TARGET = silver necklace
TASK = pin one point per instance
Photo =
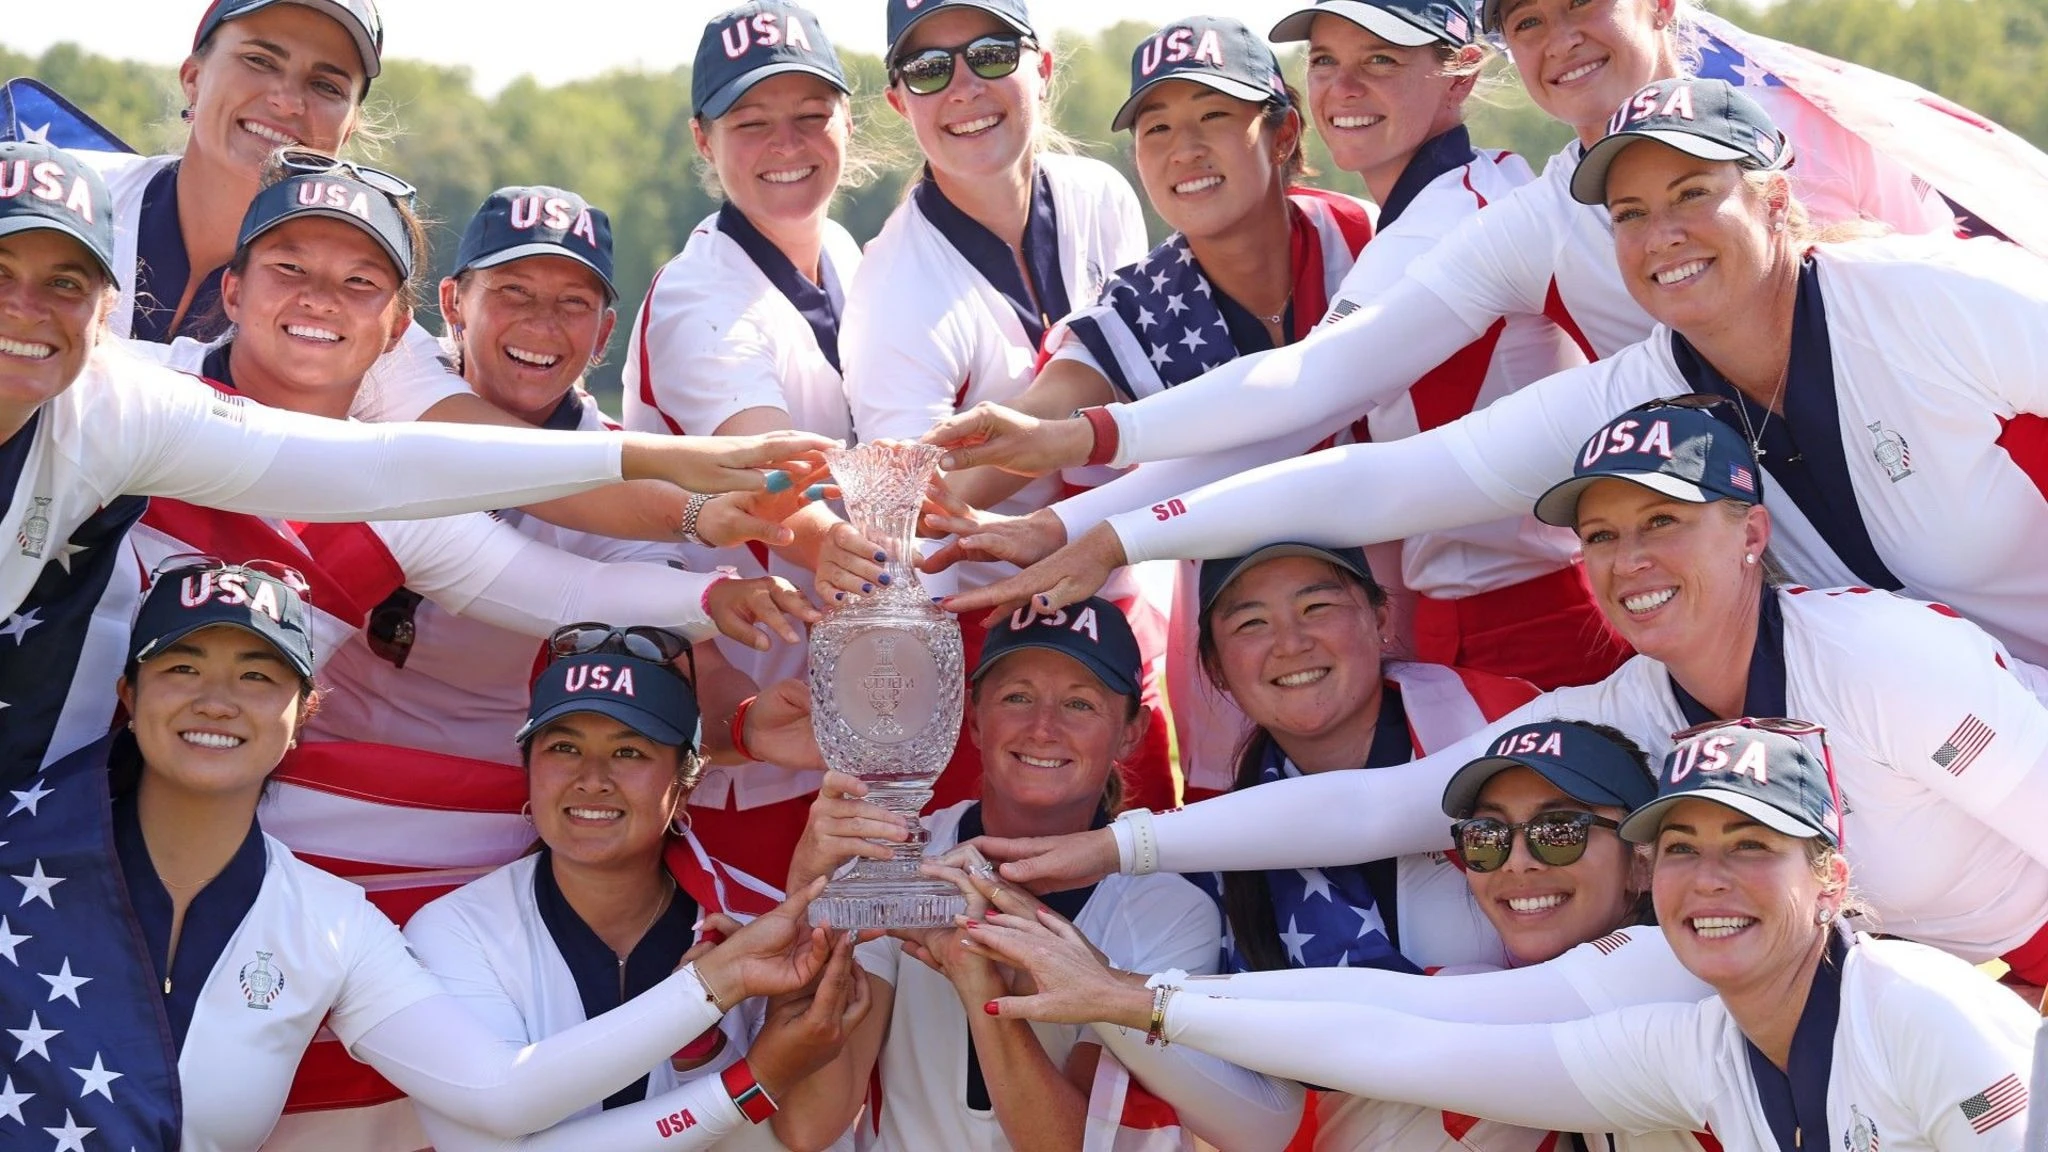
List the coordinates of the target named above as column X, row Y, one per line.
column 1756, row 434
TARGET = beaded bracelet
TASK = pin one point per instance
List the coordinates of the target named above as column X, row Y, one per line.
column 693, row 508
column 1155, row 1032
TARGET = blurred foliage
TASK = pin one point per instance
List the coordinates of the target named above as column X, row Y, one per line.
column 623, row 139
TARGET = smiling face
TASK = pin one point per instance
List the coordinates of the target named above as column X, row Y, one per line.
column 529, row 329
column 315, row 303
column 1579, row 59
column 780, row 150
column 1540, row 910
column 1669, row 575
column 1049, row 732
column 1735, row 899
column 1297, row 646
column 1206, row 159
column 51, row 295
column 1374, row 103
column 281, row 76
column 974, row 129
column 602, row 794
column 1695, row 241
column 214, row 712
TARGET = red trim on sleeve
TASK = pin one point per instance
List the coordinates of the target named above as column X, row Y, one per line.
column 647, row 362
column 2025, row 438
column 1553, row 307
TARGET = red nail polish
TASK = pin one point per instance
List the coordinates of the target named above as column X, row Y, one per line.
column 991, row 1009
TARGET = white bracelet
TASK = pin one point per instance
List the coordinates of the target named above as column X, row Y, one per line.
column 1144, row 842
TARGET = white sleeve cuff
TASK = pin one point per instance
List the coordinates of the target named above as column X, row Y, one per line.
column 1137, row 846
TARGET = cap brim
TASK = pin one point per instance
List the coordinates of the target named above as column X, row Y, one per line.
column 1110, row 677
column 1560, row 505
column 1642, row 824
column 1461, row 795
column 1249, row 93
column 1277, row 552
column 1388, row 26
column 366, row 45
column 521, row 252
column 1016, row 25
column 401, row 261
column 15, row 225
column 640, row 720
column 721, row 101
column 1589, row 179
column 298, row 664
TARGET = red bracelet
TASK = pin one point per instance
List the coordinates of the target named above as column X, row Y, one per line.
column 739, row 728
column 747, row 1094
column 1107, row 435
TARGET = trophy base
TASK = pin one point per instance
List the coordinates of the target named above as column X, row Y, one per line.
column 908, row 903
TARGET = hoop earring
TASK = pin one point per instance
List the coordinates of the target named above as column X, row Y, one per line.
column 680, row 822
column 526, row 812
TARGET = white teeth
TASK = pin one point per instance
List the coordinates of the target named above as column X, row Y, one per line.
column 1720, row 927
column 536, row 359
column 1535, row 903
column 211, row 739
column 1581, row 70
column 26, row 350
column 973, row 126
column 1685, row 271
column 1297, row 679
column 596, row 813
column 790, row 177
column 275, row 137
column 307, row 332
column 1203, row 184
column 1039, row 762
column 1645, row 601
column 1355, row 121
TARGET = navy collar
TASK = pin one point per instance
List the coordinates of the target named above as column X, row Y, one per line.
column 816, row 303
column 1802, row 450
column 1764, row 695
column 568, row 413
column 211, row 919
column 216, row 367
column 1248, row 332
column 1068, row 903
column 997, row 263
column 1439, row 154
column 1391, row 743
column 595, row 967
column 14, row 453
column 1796, row 1099
column 163, row 271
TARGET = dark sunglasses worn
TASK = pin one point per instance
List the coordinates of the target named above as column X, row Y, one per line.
column 641, row 641
column 1555, row 838
column 928, row 71
column 305, row 162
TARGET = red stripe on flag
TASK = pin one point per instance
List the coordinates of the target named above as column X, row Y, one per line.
column 1996, row 1104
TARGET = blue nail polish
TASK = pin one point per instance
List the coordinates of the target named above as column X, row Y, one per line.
column 882, row 579
column 938, row 599
column 881, row 557
column 815, row 492
column 866, row 587
column 839, row 595
column 1045, row 600
column 778, row 480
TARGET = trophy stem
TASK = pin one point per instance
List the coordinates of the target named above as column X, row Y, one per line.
column 891, row 893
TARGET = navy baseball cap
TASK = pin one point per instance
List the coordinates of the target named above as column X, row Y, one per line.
column 338, row 196
column 1409, row 23
column 1769, row 776
column 1213, row 51
column 1216, row 575
column 748, row 44
column 1093, row 631
column 650, row 698
column 263, row 599
column 45, row 188
column 1584, row 763
column 358, row 17
column 537, row 220
column 1682, row 452
column 1709, row 119
column 904, row 13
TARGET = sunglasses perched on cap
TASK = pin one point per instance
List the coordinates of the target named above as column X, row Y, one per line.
column 305, row 162
column 191, row 562
column 928, row 71
column 1556, row 838
column 1691, row 401
column 1783, row 727
column 640, row 641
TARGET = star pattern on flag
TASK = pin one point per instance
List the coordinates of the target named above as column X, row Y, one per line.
column 71, row 1137
column 18, row 625
column 27, row 800
column 97, row 1079
column 11, row 1101
column 37, row 885
column 64, row 554
column 1720, row 60
column 34, row 1038
column 10, row 939
column 1294, row 938
column 35, row 135
column 64, row 985
column 1167, row 304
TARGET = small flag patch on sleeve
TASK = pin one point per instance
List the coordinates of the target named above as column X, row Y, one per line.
column 1960, row 750
column 1996, row 1104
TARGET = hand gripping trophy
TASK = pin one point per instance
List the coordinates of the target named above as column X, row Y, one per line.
column 887, row 685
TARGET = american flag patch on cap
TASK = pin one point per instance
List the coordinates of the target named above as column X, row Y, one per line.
column 1960, row 750
column 1996, row 1104
column 1740, row 477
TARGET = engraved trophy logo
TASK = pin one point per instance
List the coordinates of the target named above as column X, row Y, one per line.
column 888, row 683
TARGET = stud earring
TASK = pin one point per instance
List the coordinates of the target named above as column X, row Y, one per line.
column 1823, row 916
column 1749, row 558
column 186, row 115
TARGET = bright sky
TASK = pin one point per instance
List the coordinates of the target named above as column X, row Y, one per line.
column 554, row 40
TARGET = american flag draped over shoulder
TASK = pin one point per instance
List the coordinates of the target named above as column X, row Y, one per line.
column 32, row 111
column 1991, row 176
column 85, row 1055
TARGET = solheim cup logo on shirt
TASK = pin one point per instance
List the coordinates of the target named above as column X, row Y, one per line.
column 34, row 534
column 1891, row 452
column 1862, row 1133
column 261, row 983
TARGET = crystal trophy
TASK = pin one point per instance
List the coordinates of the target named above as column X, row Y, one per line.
column 887, row 686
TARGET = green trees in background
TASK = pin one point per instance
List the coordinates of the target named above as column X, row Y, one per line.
column 623, row 139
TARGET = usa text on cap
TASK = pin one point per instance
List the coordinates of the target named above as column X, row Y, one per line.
column 1683, row 453
column 1771, row 777
column 358, row 17
column 904, row 13
column 1585, row 764
column 207, row 593
column 1093, row 631
column 647, row 697
column 537, row 220
column 1709, row 119
column 338, row 197
column 1211, row 51
column 47, row 189
column 1409, row 23
column 1216, row 575
column 746, row 45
